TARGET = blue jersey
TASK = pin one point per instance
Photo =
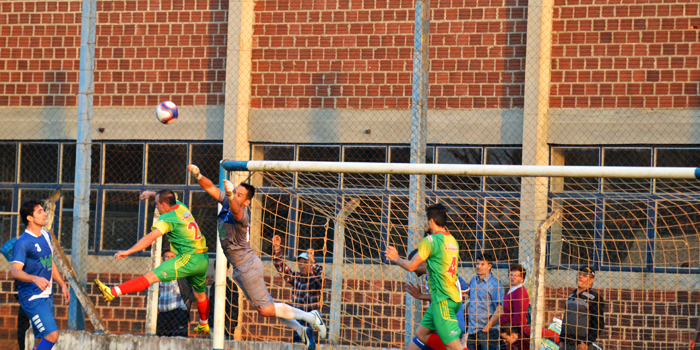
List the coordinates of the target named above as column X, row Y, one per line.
column 37, row 257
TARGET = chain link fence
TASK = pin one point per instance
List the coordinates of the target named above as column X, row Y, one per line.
column 510, row 82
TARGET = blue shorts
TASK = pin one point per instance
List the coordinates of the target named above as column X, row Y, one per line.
column 40, row 313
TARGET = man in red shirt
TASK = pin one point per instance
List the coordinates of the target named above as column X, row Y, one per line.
column 516, row 301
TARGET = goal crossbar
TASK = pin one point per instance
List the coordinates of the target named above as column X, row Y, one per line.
column 465, row 169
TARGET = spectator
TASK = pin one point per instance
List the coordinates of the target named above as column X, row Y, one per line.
column 231, row 306
column 517, row 301
column 307, row 283
column 583, row 319
column 485, row 306
column 515, row 338
column 174, row 301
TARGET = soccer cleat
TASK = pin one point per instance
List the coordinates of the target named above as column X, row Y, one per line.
column 106, row 291
column 202, row 329
column 318, row 324
column 308, row 338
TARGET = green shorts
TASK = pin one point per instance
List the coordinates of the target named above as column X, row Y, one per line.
column 441, row 317
column 192, row 266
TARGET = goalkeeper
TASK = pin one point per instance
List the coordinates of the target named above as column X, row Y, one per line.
column 186, row 241
column 234, row 227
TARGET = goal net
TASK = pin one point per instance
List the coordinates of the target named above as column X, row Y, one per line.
column 637, row 228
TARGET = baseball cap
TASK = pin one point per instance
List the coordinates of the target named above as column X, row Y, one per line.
column 587, row 269
column 303, row 256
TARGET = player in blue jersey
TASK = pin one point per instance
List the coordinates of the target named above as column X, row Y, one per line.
column 34, row 270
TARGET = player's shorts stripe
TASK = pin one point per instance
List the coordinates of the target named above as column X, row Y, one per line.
column 445, row 310
column 184, row 259
column 35, row 317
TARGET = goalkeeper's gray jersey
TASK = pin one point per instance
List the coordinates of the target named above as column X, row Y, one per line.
column 234, row 234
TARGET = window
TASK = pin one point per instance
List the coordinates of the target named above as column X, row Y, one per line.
column 8, row 162
column 68, row 163
column 120, row 229
column 627, row 157
column 275, row 221
column 677, row 157
column 398, row 226
column 39, row 163
column 66, row 229
column 403, row 155
column 501, row 230
column 459, row 155
column 364, row 154
column 6, row 220
column 277, row 179
column 315, row 229
column 319, row 154
column 167, row 164
column 123, row 163
column 575, row 157
column 624, row 236
column 365, row 224
column 503, row 156
column 462, row 224
column 207, row 157
column 676, row 243
column 573, row 237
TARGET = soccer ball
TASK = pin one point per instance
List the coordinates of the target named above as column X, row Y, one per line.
column 166, row 112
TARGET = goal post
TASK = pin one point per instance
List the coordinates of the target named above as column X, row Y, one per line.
column 638, row 226
column 465, row 169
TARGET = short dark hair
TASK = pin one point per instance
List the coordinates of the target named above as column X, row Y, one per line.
column 518, row 267
column 438, row 213
column 250, row 188
column 166, row 196
column 27, row 209
column 485, row 257
column 508, row 330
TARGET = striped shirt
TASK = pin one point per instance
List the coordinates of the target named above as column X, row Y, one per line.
column 307, row 289
column 169, row 297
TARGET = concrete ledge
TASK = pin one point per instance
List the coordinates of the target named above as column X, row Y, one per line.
column 72, row 340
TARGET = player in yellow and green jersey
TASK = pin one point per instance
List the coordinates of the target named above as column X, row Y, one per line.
column 441, row 252
column 186, row 241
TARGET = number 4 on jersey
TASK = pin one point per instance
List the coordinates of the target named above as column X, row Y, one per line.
column 192, row 226
column 452, row 270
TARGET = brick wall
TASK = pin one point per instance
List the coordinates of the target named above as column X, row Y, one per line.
column 372, row 314
column 146, row 52
column 639, row 319
column 358, row 54
column 625, row 54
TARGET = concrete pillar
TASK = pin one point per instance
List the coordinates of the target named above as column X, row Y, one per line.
column 241, row 17
column 533, row 205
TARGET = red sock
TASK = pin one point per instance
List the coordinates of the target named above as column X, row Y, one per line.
column 131, row 286
column 203, row 308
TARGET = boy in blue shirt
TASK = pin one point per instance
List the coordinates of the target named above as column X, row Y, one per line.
column 34, row 270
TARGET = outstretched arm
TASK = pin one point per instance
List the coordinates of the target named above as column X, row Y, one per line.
column 204, row 182
column 277, row 260
column 233, row 203
column 393, row 255
column 142, row 244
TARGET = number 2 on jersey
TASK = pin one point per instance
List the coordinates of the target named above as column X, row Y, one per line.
column 452, row 270
column 193, row 226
